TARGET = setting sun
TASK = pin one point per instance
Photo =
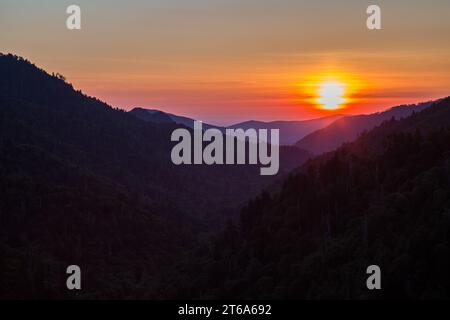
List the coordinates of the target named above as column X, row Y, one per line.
column 331, row 95
column 331, row 89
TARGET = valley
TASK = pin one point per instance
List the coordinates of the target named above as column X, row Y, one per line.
column 87, row 184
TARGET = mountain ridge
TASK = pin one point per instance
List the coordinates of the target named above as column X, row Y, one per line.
column 348, row 128
column 290, row 130
column 380, row 200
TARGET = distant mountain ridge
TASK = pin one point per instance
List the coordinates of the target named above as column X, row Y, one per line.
column 290, row 131
column 290, row 156
column 348, row 128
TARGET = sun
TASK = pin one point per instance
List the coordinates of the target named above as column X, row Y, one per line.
column 330, row 91
column 331, row 95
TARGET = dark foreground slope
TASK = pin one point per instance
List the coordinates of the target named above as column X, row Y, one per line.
column 383, row 200
column 83, row 183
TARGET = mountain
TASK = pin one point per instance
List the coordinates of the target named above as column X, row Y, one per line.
column 348, row 128
column 290, row 131
column 115, row 144
column 290, row 156
column 157, row 116
column 84, row 183
column 382, row 200
column 154, row 116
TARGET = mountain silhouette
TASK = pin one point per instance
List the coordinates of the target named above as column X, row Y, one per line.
column 84, row 183
column 151, row 115
column 112, row 143
column 290, row 131
column 290, row 156
column 347, row 129
column 381, row 200
column 155, row 116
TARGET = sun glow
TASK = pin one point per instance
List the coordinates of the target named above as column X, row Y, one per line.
column 330, row 91
column 331, row 95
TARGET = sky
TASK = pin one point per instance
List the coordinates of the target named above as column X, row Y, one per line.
column 225, row 61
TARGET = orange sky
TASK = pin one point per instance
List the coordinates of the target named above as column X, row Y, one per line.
column 227, row 61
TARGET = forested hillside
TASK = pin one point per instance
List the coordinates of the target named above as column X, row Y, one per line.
column 383, row 200
column 84, row 183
